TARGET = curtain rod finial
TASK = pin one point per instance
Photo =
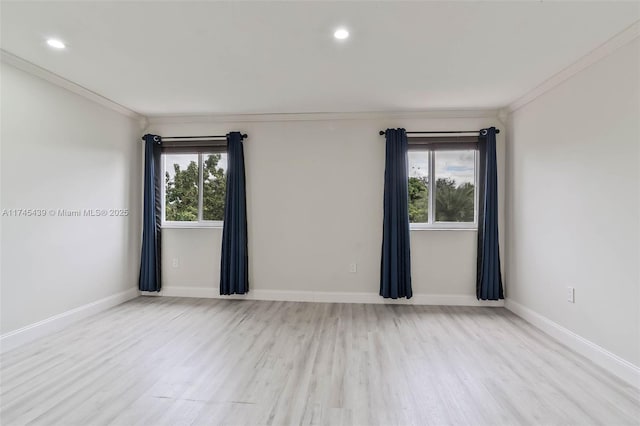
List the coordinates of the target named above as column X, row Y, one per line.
column 382, row 132
column 244, row 136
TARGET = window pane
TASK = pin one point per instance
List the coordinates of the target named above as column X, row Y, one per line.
column 214, row 186
column 455, row 186
column 181, row 187
column 418, row 186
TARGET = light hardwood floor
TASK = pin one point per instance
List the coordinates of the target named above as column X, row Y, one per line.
column 157, row 361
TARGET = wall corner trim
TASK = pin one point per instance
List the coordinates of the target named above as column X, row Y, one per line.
column 37, row 71
column 607, row 48
column 48, row 326
column 619, row 367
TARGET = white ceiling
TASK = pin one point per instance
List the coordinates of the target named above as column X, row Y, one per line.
column 267, row 57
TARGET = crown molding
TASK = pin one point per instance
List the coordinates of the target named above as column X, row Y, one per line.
column 607, row 48
column 51, row 77
column 319, row 116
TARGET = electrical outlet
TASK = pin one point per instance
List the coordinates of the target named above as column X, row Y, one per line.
column 571, row 295
column 353, row 268
column 176, row 262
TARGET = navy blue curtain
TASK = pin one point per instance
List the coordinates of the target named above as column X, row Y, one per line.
column 395, row 268
column 234, row 267
column 489, row 279
column 150, row 268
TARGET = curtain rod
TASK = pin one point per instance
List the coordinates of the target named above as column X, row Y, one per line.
column 382, row 132
column 244, row 136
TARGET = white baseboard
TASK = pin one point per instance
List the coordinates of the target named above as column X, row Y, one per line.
column 13, row 339
column 621, row 368
column 327, row 297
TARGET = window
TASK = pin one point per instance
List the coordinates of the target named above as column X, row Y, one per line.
column 442, row 186
column 194, row 188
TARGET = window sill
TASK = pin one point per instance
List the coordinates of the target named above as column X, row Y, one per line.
column 192, row 225
column 443, row 228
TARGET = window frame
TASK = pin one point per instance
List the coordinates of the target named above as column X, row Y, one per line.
column 431, row 224
column 200, row 223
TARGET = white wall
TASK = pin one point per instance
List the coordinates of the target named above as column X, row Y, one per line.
column 573, row 204
column 315, row 192
column 62, row 151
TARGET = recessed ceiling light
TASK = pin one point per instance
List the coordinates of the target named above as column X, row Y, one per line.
column 55, row 43
column 341, row 34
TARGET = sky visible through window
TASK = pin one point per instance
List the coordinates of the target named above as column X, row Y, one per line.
column 456, row 165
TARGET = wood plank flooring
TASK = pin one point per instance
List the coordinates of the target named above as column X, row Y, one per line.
column 170, row 361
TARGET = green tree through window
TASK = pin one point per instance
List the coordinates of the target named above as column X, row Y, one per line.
column 453, row 184
column 454, row 203
column 182, row 187
column 418, row 199
column 214, row 188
